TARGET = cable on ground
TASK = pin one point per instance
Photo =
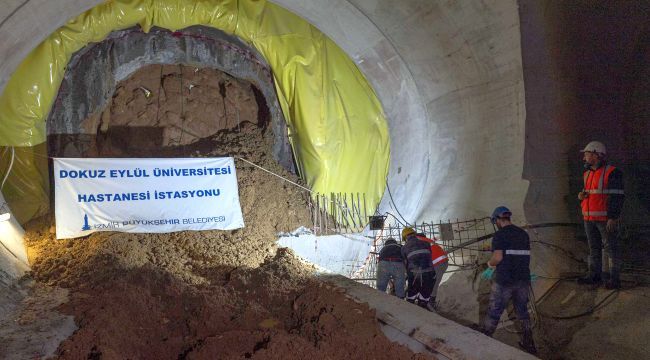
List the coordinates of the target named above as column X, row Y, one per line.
column 601, row 304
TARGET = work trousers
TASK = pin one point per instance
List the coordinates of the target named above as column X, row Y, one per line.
column 395, row 270
column 440, row 269
column 499, row 298
column 604, row 251
column 420, row 285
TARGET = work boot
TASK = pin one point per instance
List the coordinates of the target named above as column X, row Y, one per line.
column 485, row 331
column 432, row 304
column 529, row 348
column 424, row 305
column 477, row 327
column 527, row 343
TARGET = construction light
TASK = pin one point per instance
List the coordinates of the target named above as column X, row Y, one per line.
column 376, row 222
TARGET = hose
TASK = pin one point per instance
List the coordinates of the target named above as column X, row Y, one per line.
column 394, row 205
column 601, row 304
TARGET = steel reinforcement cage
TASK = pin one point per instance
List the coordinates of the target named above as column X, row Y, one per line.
column 463, row 240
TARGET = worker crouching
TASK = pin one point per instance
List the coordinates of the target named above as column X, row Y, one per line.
column 391, row 267
column 439, row 260
column 420, row 273
column 510, row 262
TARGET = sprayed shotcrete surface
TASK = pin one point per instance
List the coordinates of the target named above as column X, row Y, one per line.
column 202, row 295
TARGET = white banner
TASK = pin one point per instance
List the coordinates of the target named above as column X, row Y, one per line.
column 145, row 195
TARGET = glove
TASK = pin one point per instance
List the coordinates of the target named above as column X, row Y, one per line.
column 487, row 274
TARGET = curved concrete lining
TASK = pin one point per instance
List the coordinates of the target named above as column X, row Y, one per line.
column 448, row 76
column 373, row 51
column 450, row 79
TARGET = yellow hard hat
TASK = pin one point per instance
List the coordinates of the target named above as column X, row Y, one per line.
column 406, row 232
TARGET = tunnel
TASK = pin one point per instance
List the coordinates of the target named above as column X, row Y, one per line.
column 429, row 113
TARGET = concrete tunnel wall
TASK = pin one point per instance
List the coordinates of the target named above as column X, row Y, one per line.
column 448, row 75
column 451, row 81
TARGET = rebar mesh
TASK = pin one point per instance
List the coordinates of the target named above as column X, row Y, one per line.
column 463, row 240
column 338, row 213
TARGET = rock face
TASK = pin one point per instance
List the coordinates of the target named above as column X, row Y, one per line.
column 172, row 105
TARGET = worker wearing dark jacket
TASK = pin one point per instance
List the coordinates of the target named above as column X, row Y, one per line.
column 602, row 201
column 391, row 266
column 439, row 261
column 511, row 263
column 420, row 272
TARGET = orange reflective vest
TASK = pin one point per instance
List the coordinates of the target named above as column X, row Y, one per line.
column 594, row 206
column 438, row 255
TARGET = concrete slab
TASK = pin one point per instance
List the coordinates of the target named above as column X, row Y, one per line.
column 424, row 331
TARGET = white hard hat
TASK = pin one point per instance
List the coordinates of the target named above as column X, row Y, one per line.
column 596, row 147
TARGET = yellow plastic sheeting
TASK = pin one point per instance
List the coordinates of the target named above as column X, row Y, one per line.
column 27, row 187
column 336, row 124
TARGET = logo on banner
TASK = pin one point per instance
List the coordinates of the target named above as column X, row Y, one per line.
column 86, row 225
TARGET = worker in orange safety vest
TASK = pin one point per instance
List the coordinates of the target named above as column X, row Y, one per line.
column 439, row 260
column 602, row 202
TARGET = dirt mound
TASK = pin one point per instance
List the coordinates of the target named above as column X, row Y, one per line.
column 269, row 205
column 210, row 294
column 276, row 310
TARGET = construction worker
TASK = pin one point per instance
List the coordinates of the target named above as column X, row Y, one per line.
column 439, row 261
column 420, row 273
column 391, row 266
column 602, row 201
column 510, row 262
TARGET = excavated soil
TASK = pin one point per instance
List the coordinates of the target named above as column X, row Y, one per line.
column 210, row 294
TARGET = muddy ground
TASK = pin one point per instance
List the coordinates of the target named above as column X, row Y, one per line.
column 200, row 295
column 567, row 328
